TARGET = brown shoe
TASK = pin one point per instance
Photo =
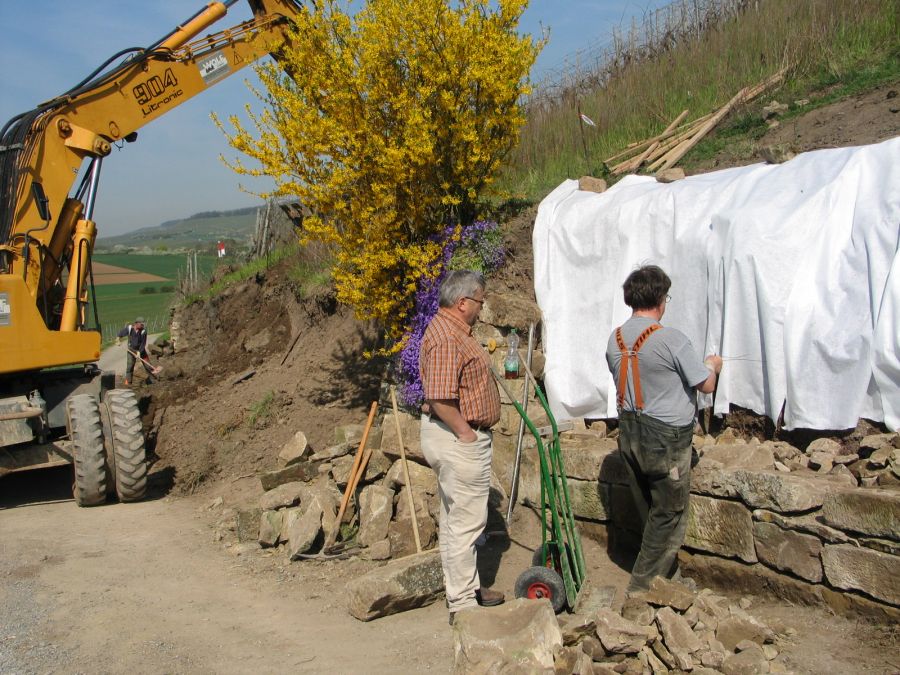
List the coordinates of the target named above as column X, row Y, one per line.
column 488, row 598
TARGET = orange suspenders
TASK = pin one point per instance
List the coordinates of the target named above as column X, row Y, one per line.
column 631, row 356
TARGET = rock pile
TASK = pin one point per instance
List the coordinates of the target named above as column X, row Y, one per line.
column 671, row 628
column 302, row 499
column 875, row 462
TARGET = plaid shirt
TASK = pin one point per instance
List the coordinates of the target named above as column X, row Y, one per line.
column 453, row 366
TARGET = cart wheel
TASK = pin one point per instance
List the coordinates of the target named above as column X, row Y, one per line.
column 537, row 558
column 542, row 582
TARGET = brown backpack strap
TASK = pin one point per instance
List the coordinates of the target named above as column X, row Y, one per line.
column 631, row 356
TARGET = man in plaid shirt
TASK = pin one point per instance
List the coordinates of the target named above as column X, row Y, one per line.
column 462, row 404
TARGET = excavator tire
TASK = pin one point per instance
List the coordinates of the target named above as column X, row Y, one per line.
column 88, row 453
column 128, row 444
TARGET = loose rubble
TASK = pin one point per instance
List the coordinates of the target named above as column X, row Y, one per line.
column 670, row 628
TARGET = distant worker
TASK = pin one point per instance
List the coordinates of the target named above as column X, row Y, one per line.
column 657, row 371
column 136, row 348
column 462, row 404
column 220, row 249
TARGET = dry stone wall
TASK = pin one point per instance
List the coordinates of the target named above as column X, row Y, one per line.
column 823, row 523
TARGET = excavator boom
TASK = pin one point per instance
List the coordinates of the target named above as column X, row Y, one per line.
column 47, row 232
column 56, row 407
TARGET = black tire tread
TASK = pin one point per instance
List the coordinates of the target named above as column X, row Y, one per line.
column 88, row 453
column 549, row 578
column 128, row 445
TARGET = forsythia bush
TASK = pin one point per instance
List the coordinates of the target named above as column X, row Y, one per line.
column 389, row 124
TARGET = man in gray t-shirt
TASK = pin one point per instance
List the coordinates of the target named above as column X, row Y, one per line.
column 657, row 373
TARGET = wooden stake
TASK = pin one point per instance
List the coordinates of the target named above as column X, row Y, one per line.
column 412, row 503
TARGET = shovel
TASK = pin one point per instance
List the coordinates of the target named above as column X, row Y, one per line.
column 154, row 370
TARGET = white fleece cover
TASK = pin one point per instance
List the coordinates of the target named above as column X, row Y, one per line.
column 791, row 272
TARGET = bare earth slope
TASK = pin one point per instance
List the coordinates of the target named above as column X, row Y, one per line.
column 145, row 588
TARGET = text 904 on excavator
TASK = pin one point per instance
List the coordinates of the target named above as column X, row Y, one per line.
column 56, row 406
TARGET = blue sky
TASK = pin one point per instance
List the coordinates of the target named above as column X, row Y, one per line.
column 173, row 170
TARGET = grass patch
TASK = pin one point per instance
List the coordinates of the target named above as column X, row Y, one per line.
column 243, row 273
column 309, row 276
column 166, row 266
column 119, row 304
column 836, row 47
column 261, row 410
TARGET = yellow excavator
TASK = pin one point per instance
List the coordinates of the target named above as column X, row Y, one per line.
column 56, row 406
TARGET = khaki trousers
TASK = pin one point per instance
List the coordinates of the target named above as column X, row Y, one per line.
column 464, row 481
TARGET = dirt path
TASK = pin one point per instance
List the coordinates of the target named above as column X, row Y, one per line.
column 143, row 588
column 146, row 588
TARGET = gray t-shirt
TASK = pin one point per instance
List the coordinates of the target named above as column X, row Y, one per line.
column 670, row 369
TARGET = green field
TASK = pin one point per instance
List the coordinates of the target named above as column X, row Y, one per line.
column 119, row 304
column 166, row 266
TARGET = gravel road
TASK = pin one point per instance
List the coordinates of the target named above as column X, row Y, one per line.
column 145, row 588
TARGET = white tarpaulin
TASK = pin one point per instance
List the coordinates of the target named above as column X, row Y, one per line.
column 791, row 272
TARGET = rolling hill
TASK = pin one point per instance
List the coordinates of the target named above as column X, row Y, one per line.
column 200, row 230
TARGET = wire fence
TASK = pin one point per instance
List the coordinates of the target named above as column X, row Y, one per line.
column 657, row 32
column 155, row 324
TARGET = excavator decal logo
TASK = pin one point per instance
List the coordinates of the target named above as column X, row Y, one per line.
column 148, row 93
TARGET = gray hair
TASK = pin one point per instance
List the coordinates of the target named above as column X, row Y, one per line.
column 460, row 284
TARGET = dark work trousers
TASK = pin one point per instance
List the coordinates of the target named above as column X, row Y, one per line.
column 658, row 457
column 129, row 367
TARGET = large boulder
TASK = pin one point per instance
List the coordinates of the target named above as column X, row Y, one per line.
column 294, row 450
column 400, row 585
column 286, row 494
column 304, row 531
column 741, row 456
column 270, row 527
column 420, row 476
column 678, row 636
column 589, row 499
column 376, row 507
column 302, row 471
column 780, row 492
column 789, row 551
column 400, row 530
column 721, row 527
column 861, row 569
column 618, row 635
column 409, row 432
column 520, row 636
column 875, row 513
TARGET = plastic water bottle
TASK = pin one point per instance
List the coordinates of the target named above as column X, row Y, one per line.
column 511, row 362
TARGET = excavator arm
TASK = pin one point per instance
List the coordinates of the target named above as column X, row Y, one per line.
column 47, row 232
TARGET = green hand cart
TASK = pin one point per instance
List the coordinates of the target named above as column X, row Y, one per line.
column 558, row 569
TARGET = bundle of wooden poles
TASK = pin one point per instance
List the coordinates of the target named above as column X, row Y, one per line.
column 667, row 148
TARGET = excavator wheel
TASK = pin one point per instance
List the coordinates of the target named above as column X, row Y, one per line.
column 86, row 432
column 127, row 439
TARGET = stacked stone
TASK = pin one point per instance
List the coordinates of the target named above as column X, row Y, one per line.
column 299, row 508
column 302, row 499
column 760, row 516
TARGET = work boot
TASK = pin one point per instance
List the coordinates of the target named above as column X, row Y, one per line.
column 488, row 598
column 452, row 617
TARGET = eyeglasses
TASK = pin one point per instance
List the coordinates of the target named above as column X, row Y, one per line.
column 480, row 302
column 668, row 297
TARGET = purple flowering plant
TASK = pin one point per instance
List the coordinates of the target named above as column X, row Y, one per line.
column 478, row 246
